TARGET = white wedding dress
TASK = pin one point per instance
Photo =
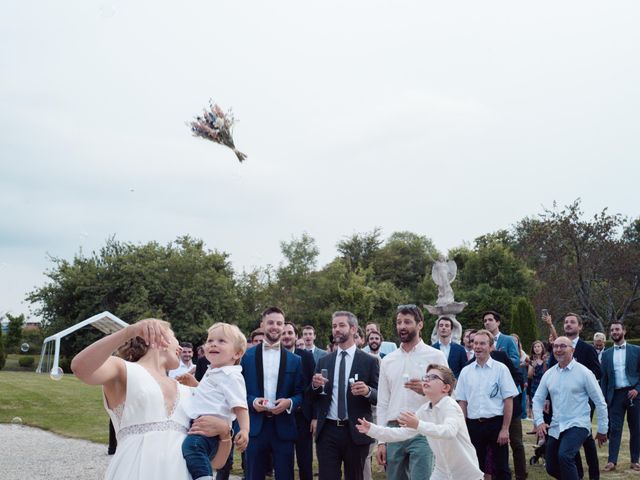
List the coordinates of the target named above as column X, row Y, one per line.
column 149, row 433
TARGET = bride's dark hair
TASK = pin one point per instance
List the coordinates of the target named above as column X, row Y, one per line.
column 135, row 348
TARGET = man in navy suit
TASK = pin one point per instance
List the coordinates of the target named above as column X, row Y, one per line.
column 304, row 413
column 587, row 356
column 349, row 392
column 455, row 353
column 274, row 392
column 620, row 384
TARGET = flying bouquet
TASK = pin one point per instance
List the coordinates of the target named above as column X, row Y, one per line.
column 217, row 126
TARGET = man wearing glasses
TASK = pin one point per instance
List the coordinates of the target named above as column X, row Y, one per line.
column 570, row 385
column 485, row 392
column 400, row 390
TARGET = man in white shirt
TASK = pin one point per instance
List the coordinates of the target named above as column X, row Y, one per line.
column 186, row 365
column 309, row 337
column 485, row 392
column 400, row 390
column 570, row 385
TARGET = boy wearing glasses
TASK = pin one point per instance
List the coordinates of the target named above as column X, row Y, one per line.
column 485, row 391
column 442, row 421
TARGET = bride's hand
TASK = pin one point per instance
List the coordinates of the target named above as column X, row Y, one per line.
column 209, row 426
column 154, row 333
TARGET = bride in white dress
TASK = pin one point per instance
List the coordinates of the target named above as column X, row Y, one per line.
column 144, row 404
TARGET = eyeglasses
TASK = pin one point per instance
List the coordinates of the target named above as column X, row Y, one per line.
column 409, row 306
column 431, row 377
column 561, row 346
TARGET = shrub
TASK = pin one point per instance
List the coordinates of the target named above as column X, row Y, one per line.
column 26, row 361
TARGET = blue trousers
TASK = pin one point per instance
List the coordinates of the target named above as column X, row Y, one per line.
column 266, row 446
column 560, row 455
column 198, row 451
column 619, row 406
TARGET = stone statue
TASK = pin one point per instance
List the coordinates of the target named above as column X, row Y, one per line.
column 443, row 273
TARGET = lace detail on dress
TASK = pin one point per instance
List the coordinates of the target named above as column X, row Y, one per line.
column 143, row 428
column 118, row 411
column 175, row 402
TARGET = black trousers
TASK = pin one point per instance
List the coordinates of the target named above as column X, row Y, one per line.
column 304, row 448
column 334, row 448
column 484, row 436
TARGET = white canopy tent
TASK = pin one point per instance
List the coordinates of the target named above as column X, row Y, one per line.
column 105, row 322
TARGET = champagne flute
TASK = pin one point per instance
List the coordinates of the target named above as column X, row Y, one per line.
column 325, row 374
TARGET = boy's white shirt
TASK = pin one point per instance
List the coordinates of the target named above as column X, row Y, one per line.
column 446, row 429
column 220, row 390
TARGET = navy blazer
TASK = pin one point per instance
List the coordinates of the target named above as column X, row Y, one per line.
column 368, row 368
column 457, row 357
column 308, row 367
column 632, row 369
column 585, row 354
column 290, row 385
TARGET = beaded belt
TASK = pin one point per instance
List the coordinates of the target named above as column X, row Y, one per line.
column 142, row 428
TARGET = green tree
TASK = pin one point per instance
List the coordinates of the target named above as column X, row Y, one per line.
column 14, row 332
column 524, row 322
column 360, row 249
column 181, row 282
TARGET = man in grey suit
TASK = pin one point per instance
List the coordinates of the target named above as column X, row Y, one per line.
column 309, row 337
column 620, row 384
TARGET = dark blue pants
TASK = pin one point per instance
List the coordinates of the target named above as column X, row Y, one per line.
column 619, row 406
column 267, row 445
column 560, row 455
column 198, row 451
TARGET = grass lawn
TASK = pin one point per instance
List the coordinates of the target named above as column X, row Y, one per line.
column 73, row 409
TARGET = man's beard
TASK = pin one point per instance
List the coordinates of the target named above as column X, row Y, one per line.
column 409, row 336
column 270, row 338
column 377, row 346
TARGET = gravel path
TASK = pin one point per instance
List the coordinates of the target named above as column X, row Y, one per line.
column 31, row 453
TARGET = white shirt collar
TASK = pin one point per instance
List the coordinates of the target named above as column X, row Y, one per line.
column 351, row 351
column 226, row 369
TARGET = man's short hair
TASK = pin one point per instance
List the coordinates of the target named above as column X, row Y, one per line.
column 469, row 331
column 571, row 314
column 495, row 314
column 616, row 322
column 270, row 310
column 295, row 328
column 488, row 334
column 255, row 333
column 309, row 327
column 186, row 345
column 413, row 310
column 600, row 335
column 374, row 332
column 446, row 319
column 371, row 322
column 351, row 318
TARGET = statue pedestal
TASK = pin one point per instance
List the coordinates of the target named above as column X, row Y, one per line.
column 449, row 310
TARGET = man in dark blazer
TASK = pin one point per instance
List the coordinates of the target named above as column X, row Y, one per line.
column 455, row 353
column 620, row 384
column 587, row 356
column 275, row 385
column 304, row 413
column 341, row 399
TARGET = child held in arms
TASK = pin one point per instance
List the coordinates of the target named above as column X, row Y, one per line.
column 222, row 393
column 441, row 420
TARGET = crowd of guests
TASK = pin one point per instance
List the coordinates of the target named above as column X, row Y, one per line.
column 449, row 410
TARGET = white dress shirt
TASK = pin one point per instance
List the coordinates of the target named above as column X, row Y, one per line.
column 445, row 428
column 393, row 397
column 485, row 388
column 620, row 366
column 445, row 348
column 270, row 369
column 220, row 390
column 570, row 389
column 348, row 362
column 183, row 368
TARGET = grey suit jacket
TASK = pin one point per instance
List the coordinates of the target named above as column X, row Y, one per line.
column 632, row 369
column 318, row 353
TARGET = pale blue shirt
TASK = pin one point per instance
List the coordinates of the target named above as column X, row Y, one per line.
column 620, row 366
column 570, row 389
column 445, row 348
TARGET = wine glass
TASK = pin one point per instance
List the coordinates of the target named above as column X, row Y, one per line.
column 325, row 374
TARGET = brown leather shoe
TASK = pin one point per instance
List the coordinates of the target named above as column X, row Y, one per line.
column 610, row 467
column 635, row 466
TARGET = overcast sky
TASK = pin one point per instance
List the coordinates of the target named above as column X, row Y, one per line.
column 448, row 119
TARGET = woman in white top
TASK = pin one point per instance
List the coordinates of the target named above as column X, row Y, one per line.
column 441, row 420
column 144, row 404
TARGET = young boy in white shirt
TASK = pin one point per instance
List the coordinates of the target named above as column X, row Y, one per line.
column 441, row 420
column 222, row 393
